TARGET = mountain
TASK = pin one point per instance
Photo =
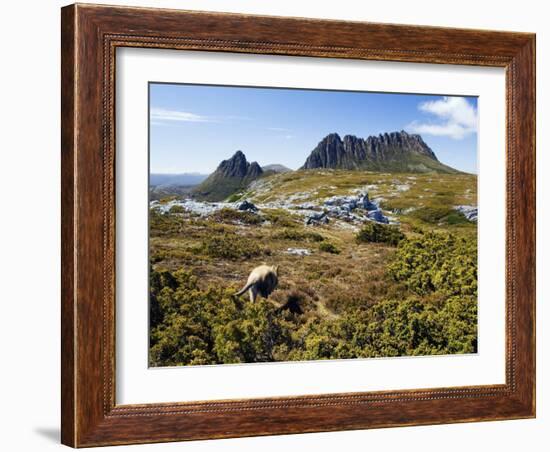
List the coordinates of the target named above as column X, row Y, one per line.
column 183, row 179
column 276, row 168
column 231, row 176
column 166, row 185
column 394, row 152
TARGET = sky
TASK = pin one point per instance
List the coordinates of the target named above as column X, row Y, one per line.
column 194, row 127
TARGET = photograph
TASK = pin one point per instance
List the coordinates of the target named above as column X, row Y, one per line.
column 294, row 224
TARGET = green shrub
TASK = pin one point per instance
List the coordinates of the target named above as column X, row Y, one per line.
column 177, row 209
column 439, row 262
column 194, row 326
column 227, row 215
column 456, row 218
column 379, row 233
column 230, row 246
column 280, row 218
column 190, row 325
column 163, row 224
column 293, row 234
column 328, row 247
column 439, row 215
column 410, row 327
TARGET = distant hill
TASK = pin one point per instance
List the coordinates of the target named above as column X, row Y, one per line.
column 164, row 185
column 184, row 179
column 391, row 152
column 231, row 176
column 276, row 168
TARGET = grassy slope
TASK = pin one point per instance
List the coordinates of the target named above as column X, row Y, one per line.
column 413, row 163
column 405, row 196
column 218, row 188
column 215, row 188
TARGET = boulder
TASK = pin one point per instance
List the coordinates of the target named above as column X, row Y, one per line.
column 378, row 216
column 470, row 212
column 316, row 218
column 366, row 203
column 247, row 206
column 346, row 202
column 305, row 206
column 298, row 251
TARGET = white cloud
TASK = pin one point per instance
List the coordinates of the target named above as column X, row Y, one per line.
column 159, row 115
column 455, row 118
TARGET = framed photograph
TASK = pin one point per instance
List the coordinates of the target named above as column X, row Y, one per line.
column 281, row 225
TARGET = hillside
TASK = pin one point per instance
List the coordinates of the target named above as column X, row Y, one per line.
column 415, row 199
column 395, row 152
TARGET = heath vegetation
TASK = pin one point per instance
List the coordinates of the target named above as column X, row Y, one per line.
column 347, row 288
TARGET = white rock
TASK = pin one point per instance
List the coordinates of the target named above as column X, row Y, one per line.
column 298, row 251
column 470, row 212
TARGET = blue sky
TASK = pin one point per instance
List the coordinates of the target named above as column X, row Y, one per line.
column 194, row 127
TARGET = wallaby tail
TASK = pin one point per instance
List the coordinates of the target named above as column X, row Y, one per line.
column 244, row 289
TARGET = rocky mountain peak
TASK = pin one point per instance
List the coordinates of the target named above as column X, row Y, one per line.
column 327, row 154
column 395, row 151
column 236, row 166
column 230, row 176
column 254, row 170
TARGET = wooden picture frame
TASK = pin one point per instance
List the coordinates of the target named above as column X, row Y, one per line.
column 90, row 36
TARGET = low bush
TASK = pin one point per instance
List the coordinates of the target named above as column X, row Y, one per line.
column 298, row 236
column 190, row 325
column 379, row 233
column 194, row 326
column 162, row 224
column 227, row 215
column 177, row 209
column 437, row 262
column 439, row 215
column 230, row 246
column 279, row 218
column 328, row 247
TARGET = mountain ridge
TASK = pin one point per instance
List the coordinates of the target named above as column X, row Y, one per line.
column 395, row 151
column 180, row 179
column 388, row 152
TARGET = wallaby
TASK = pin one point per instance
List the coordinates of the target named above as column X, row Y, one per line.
column 262, row 280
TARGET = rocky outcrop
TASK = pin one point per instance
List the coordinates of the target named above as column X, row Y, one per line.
column 349, row 203
column 231, row 176
column 354, row 209
column 396, row 151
